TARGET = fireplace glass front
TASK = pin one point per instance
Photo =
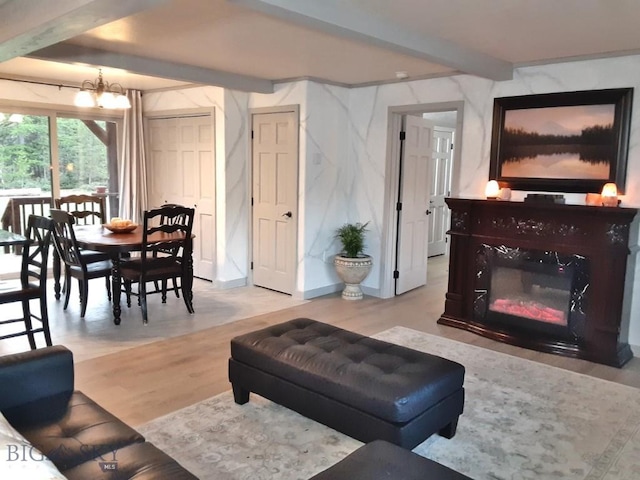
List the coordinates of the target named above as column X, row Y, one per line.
column 532, row 290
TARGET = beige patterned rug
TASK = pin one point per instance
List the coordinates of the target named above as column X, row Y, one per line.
column 522, row 421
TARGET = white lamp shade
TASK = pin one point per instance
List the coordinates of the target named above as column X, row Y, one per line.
column 122, row 102
column 107, row 100
column 84, row 98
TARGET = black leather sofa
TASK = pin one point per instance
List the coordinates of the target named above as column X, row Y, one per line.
column 82, row 439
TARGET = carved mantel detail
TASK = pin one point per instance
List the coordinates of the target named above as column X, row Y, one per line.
column 519, row 226
column 617, row 234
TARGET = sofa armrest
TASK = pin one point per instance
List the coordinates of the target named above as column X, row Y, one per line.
column 36, row 385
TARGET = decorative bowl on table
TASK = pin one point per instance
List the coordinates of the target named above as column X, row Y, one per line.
column 121, row 226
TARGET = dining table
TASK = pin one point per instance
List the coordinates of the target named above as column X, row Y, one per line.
column 121, row 244
column 8, row 238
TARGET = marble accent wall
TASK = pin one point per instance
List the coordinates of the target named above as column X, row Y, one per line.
column 327, row 180
column 343, row 154
column 13, row 93
column 231, row 137
column 368, row 116
column 323, row 177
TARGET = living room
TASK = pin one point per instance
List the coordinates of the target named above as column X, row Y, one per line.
column 343, row 149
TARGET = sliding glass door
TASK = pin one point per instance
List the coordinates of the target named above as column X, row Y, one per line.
column 48, row 155
column 87, row 159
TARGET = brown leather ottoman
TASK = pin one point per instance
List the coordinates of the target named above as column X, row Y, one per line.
column 360, row 386
column 383, row 460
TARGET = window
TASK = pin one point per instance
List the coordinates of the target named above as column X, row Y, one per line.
column 46, row 155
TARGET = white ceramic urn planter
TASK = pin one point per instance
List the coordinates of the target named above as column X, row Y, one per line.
column 352, row 271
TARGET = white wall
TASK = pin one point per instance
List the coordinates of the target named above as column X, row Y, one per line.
column 343, row 136
column 232, row 208
column 322, row 177
column 368, row 116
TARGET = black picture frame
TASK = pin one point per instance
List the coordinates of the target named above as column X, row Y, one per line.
column 535, row 144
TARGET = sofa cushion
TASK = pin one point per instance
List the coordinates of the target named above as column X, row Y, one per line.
column 21, row 460
column 41, row 383
column 86, row 431
column 139, row 461
column 348, row 367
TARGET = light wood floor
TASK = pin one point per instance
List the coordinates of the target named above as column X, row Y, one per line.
column 145, row 382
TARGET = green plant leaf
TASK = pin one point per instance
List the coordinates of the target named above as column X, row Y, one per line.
column 352, row 237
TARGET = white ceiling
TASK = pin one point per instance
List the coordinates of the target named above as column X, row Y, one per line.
column 250, row 44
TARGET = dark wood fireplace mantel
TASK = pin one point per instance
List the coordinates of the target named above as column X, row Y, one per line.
column 599, row 234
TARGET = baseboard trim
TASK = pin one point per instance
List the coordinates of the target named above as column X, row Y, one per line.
column 226, row 285
column 336, row 287
column 320, row 291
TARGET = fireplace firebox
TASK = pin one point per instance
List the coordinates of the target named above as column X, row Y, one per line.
column 532, row 291
column 544, row 276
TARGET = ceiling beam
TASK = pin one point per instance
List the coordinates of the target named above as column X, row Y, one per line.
column 29, row 25
column 77, row 54
column 337, row 17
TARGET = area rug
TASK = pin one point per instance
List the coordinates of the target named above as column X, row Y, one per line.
column 522, row 420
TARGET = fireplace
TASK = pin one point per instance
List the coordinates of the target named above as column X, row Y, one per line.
column 534, row 291
column 544, row 276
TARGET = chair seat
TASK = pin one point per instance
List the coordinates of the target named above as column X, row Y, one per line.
column 15, row 292
column 153, row 271
column 95, row 269
column 91, row 256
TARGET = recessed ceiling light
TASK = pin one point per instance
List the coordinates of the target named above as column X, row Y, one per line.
column 402, row 75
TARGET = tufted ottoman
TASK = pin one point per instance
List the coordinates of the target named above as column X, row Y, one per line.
column 363, row 387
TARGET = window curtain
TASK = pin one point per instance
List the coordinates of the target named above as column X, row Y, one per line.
column 132, row 167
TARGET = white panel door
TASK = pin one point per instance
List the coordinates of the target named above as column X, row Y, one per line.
column 182, row 171
column 413, row 225
column 275, row 200
column 441, row 167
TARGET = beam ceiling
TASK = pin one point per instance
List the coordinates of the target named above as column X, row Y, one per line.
column 77, row 54
column 34, row 24
column 335, row 17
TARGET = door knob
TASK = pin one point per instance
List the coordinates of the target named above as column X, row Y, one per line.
column 288, row 214
column 428, row 212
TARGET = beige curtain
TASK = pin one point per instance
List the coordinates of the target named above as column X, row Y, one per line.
column 132, row 168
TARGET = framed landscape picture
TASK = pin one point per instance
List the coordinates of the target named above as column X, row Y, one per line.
column 561, row 142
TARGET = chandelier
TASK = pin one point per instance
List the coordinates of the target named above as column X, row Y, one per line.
column 102, row 94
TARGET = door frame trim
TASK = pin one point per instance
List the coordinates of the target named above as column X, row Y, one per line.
column 295, row 109
column 389, row 233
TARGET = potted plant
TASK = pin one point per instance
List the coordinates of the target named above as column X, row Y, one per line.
column 352, row 265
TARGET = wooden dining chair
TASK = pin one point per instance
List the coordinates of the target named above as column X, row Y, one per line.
column 162, row 260
column 86, row 210
column 169, row 249
column 76, row 264
column 32, row 283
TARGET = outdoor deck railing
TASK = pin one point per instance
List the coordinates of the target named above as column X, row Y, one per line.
column 16, row 214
